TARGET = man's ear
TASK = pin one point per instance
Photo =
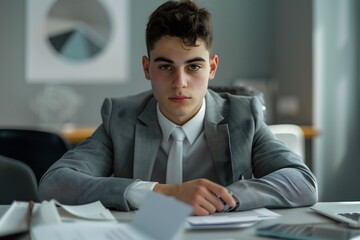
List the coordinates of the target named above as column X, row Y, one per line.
column 146, row 66
column 214, row 61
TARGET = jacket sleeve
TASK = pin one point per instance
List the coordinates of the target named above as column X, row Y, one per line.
column 280, row 177
column 85, row 174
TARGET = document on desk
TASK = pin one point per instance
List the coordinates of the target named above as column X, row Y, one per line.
column 90, row 211
column 14, row 220
column 231, row 219
column 88, row 231
column 18, row 218
column 159, row 218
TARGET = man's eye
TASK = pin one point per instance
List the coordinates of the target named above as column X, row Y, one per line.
column 194, row 67
column 165, row 67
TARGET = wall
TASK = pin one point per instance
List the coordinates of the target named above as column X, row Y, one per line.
column 337, row 103
column 292, row 61
column 243, row 40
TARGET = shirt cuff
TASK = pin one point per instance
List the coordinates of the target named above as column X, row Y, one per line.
column 137, row 191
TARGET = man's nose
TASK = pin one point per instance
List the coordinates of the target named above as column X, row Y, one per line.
column 180, row 79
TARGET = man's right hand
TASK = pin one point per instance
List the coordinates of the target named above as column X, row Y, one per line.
column 202, row 194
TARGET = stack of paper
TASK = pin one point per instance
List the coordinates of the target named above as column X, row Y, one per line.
column 169, row 212
column 230, row 219
column 18, row 218
column 94, row 221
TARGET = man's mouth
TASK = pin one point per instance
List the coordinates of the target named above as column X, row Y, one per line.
column 179, row 98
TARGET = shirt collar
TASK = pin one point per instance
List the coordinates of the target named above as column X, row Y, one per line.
column 192, row 128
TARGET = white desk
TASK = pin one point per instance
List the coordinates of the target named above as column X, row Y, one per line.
column 295, row 215
column 291, row 216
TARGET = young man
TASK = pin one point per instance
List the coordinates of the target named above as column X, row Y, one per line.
column 231, row 160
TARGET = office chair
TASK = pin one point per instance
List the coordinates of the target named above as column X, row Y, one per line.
column 292, row 135
column 242, row 91
column 17, row 181
column 38, row 149
column 239, row 90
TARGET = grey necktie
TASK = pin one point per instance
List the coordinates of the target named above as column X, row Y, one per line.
column 174, row 171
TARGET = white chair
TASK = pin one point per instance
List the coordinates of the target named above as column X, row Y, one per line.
column 292, row 135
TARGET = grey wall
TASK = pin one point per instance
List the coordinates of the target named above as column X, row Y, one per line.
column 292, row 60
column 337, row 103
column 244, row 33
column 243, row 47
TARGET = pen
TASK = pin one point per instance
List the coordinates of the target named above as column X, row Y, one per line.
column 29, row 213
column 227, row 208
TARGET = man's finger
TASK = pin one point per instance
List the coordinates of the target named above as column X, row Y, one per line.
column 227, row 198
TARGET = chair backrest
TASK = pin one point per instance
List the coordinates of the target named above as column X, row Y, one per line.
column 292, row 135
column 241, row 91
column 17, row 181
column 38, row 149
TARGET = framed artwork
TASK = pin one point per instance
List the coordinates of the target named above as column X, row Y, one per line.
column 77, row 41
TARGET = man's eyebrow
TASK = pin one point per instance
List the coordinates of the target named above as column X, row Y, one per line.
column 164, row 59
column 196, row 59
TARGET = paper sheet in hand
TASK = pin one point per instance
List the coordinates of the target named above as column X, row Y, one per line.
column 240, row 219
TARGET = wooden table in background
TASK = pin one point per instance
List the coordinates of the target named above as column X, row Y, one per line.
column 309, row 132
column 76, row 135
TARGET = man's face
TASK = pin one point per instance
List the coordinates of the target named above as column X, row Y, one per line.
column 179, row 77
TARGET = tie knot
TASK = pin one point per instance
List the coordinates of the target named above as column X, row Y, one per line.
column 178, row 134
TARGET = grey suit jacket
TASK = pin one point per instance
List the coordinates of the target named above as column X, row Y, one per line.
column 260, row 170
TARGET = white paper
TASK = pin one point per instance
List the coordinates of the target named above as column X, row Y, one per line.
column 159, row 218
column 232, row 217
column 356, row 238
column 220, row 226
column 87, row 231
column 91, row 211
column 44, row 213
column 14, row 219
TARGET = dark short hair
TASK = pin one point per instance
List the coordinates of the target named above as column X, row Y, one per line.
column 183, row 19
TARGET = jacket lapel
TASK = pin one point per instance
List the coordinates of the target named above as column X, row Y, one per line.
column 147, row 141
column 218, row 140
column 217, row 135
